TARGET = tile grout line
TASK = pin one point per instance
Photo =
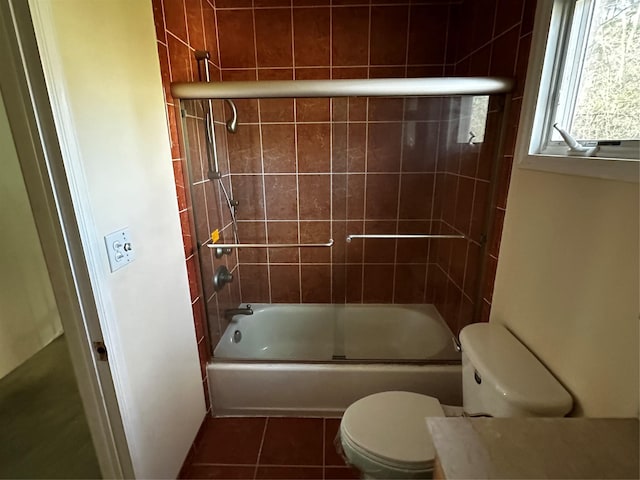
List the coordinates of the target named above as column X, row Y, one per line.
column 406, row 55
column 331, row 199
column 312, row 220
column 324, row 442
column 164, row 24
column 204, row 30
column 262, row 175
column 446, row 41
column 186, row 23
column 331, row 39
column 346, row 212
column 276, row 465
column 369, row 43
column 453, row 281
column 366, row 156
column 247, row 465
column 280, row 174
column 201, row 257
column 433, row 200
column 486, row 44
column 348, row 263
column 264, row 434
column 231, row 194
column 331, row 111
column 399, row 197
column 402, row 140
column 316, row 122
column 389, row 3
column 295, row 140
column 364, row 200
column 215, row 19
column 317, row 67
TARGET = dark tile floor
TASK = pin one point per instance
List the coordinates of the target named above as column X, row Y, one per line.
column 273, row 447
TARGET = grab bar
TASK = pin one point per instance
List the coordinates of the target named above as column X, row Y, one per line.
column 351, row 237
column 269, row 245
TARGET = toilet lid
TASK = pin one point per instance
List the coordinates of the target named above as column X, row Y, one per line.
column 391, row 427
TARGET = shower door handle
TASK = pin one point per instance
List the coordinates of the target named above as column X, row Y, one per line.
column 403, row 236
column 271, row 245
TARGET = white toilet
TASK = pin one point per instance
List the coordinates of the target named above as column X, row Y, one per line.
column 385, row 435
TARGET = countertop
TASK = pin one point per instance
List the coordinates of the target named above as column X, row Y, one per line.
column 486, row 448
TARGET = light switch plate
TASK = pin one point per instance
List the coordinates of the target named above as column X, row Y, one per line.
column 119, row 249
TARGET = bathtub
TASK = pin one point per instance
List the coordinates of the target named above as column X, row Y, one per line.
column 315, row 360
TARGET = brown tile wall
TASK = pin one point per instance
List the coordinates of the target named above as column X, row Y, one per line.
column 497, row 43
column 307, row 170
column 461, row 197
column 210, row 211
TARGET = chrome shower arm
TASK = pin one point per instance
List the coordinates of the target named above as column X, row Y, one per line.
column 232, row 123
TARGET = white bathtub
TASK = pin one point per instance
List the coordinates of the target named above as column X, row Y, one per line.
column 315, row 360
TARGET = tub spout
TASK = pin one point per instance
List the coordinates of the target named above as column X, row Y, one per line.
column 231, row 312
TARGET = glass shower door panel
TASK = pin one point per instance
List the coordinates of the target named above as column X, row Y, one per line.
column 340, row 156
column 396, row 157
column 463, row 192
column 284, row 164
column 205, row 213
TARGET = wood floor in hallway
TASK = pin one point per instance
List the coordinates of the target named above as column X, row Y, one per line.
column 43, row 428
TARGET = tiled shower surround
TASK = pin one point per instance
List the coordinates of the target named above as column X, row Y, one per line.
column 311, row 169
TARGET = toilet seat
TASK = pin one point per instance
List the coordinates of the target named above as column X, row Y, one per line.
column 389, row 429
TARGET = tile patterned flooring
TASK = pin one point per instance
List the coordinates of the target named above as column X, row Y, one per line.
column 270, row 448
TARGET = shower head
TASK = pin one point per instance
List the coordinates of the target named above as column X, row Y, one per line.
column 232, row 123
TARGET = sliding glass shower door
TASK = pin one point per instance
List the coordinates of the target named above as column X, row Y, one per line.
column 417, row 176
column 361, row 220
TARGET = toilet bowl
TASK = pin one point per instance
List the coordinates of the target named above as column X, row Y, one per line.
column 385, row 435
column 382, row 436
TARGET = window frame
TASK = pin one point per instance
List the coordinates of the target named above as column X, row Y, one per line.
column 548, row 44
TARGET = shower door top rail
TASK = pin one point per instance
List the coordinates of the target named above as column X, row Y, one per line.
column 372, row 87
column 270, row 245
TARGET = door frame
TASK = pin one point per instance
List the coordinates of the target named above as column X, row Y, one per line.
column 60, row 226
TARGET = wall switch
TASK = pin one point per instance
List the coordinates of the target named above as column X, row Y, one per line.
column 119, row 249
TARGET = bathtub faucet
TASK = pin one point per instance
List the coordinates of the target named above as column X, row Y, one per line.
column 238, row 311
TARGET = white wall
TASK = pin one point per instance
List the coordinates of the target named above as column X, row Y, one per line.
column 567, row 284
column 29, row 317
column 108, row 74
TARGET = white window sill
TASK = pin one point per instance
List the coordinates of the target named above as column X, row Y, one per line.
column 598, row 167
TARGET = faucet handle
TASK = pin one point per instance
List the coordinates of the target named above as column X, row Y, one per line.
column 221, row 277
column 249, row 306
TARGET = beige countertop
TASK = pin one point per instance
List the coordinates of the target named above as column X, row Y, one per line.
column 484, row 448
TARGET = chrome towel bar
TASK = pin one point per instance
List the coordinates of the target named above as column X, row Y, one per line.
column 388, row 236
column 269, row 245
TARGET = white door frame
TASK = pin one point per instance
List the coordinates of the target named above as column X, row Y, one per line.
column 32, row 124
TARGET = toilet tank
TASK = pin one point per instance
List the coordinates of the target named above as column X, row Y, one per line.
column 501, row 378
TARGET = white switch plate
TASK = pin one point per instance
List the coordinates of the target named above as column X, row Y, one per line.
column 119, row 249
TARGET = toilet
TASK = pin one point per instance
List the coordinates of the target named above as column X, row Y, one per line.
column 385, row 435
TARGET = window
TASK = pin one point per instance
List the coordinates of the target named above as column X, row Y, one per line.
column 584, row 87
column 473, row 118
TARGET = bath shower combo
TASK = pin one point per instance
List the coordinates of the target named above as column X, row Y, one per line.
column 310, row 358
